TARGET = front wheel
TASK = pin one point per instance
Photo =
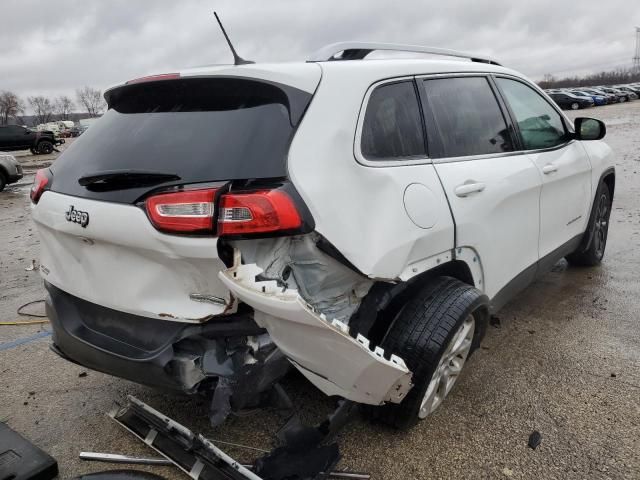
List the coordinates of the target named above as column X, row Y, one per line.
column 45, row 147
column 3, row 181
column 434, row 333
column 599, row 231
column 623, row 99
column 575, row 106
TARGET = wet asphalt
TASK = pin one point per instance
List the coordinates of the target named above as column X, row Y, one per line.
column 563, row 360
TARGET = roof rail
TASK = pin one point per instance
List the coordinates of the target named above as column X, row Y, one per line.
column 359, row 50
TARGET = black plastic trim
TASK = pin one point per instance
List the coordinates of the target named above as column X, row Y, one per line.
column 137, row 348
column 533, row 272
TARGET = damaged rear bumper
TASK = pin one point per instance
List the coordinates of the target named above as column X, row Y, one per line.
column 162, row 353
column 320, row 348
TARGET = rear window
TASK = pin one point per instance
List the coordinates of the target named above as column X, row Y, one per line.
column 199, row 129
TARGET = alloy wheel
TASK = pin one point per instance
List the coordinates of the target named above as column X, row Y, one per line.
column 601, row 226
column 449, row 368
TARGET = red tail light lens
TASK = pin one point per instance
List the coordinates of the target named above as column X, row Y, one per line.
column 263, row 211
column 188, row 211
column 40, row 183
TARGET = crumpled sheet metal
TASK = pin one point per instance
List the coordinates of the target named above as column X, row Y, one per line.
column 321, row 349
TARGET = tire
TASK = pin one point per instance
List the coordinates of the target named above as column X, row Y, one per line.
column 575, row 106
column 45, row 147
column 623, row 99
column 3, row 181
column 33, row 151
column 436, row 330
column 599, row 225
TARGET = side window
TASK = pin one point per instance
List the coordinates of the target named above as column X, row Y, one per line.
column 392, row 127
column 540, row 125
column 467, row 116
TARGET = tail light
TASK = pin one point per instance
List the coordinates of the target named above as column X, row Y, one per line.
column 237, row 214
column 188, row 211
column 264, row 211
column 40, row 184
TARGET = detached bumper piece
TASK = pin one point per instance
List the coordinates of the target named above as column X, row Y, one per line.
column 193, row 454
column 304, row 453
column 321, row 348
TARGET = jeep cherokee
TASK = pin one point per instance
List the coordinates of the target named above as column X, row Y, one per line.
column 357, row 220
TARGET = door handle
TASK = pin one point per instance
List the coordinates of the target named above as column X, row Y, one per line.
column 468, row 188
column 549, row 168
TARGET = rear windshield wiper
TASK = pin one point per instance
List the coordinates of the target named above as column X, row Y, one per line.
column 122, row 179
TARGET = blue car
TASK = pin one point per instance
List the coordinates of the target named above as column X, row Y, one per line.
column 597, row 99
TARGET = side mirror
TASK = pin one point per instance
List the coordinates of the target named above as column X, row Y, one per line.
column 589, row 129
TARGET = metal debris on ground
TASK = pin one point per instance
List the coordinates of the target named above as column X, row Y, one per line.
column 120, row 475
column 32, row 267
column 303, row 453
column 116, row 458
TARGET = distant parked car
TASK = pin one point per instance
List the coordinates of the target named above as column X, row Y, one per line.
column 10, row 170
column 76, row 131
column 630, row 89
column 622, row 96
column 15, row 137
column 611, row 98
column 597, row 99
column 567, row 100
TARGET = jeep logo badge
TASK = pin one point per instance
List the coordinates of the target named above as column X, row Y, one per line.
column 76, row 216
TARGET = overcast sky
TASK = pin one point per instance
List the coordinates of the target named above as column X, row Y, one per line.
column 52, row 47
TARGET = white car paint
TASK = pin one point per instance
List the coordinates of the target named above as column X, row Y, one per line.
column 333, row 360
column 121, row 262
column 565, row 199
column 392, row 221
column 501, row 221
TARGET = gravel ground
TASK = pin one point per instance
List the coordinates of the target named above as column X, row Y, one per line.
column 564, row 360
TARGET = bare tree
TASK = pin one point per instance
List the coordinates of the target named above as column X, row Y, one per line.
column 10, row 106
column 91, row 99
column 63, row 106
column 42, row 108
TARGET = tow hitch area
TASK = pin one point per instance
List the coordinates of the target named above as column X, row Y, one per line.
column 321, row 348
column 303, row 453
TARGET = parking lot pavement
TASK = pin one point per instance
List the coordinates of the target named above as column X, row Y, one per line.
column 564, row 360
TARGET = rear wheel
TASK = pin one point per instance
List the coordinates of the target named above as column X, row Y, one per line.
column 45, row 147
column 435, row 333
column 3, row 181
column 575, row 106
column 599, row 229
column 623, row 99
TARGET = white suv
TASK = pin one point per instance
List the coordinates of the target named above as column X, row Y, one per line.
column 357, row 219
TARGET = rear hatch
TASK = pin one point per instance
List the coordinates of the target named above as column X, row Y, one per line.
column 161, row 137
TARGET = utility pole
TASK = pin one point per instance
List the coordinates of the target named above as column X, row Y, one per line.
column 636, row 58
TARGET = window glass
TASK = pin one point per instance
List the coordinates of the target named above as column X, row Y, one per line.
column 540, row 125
column 200, row 129
column 467, row 116
column 392, row 127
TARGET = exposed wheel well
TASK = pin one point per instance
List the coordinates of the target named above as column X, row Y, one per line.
column 385, row 300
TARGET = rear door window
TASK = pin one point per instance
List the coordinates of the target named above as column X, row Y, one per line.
column 392, row 128
column 467, row 117
column 540, row 124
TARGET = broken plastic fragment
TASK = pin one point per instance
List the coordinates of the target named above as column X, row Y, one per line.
column 322, row 350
